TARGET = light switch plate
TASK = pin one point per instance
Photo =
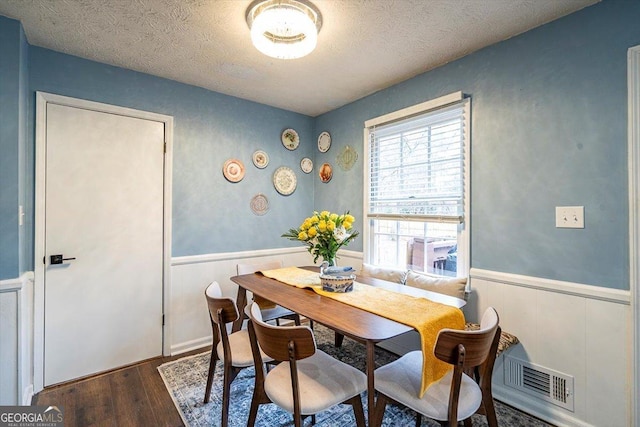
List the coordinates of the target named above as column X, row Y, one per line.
column 569, row 216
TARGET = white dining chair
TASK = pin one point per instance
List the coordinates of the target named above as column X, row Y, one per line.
column 456, row 396
column 307, row 380
column 234, row 350
column 270, row 310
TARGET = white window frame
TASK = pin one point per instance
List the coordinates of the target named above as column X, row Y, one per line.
column 464, row 247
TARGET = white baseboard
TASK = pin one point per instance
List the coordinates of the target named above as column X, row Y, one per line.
column 547, row 412
column 190, row 345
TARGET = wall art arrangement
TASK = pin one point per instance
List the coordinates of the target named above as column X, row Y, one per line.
column 324, row 142
column 325, row 172
column 306, row 164
column 347, row 158
column 233, row 170
column 260, row 159
column 259, row 204
column 290, row 139
column 284, row 178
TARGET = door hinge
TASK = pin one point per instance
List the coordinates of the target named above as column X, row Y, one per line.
column 44, row 260
column 163, row 320
column 165, row 148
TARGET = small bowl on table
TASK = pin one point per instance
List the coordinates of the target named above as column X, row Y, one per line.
column 337, row 283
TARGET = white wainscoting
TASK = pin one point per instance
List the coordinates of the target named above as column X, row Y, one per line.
column 16, row 326
column 189, row 323
column 580, row 330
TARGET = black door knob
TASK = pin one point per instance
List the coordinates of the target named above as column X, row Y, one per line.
column 57, row 259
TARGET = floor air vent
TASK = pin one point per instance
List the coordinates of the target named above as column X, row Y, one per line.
column 538, row 381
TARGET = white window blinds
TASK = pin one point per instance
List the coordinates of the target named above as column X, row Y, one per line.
column 416, row 167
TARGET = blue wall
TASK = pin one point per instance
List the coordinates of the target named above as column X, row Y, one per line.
column 210, row 214
column 12, row 120
column 549, row 124
column 549, row 128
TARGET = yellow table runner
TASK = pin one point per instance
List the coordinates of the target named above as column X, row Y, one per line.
column 426, row 316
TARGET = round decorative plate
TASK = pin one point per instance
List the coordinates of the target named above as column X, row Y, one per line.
column 233, row 170
column 260, row 159
column 290, row 139
column 259, row 204
column 284, row 180
column 325, row 172
column 324, row 142
column 347, row 158
column 306, row 165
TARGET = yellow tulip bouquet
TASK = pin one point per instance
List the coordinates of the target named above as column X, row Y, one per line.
column 324, row 233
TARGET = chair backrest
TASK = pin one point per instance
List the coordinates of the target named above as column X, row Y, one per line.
column 466, row 350
column 252, row 268
column 221, row 310
column 476, row 344
column 282, row 343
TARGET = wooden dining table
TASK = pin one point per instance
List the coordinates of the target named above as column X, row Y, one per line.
column 360, row 325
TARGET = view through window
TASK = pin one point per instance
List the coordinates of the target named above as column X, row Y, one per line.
column 416, row 187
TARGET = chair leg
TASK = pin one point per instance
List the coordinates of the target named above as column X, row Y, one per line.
column 378, row 410
column 259, row 397
column 297, row 420
column 468, row 422
column 418, row 419
column 338, row 339
column 226, row 391
column 253, row 411
column 489, row 410
column 212, row 368
column 358, row 410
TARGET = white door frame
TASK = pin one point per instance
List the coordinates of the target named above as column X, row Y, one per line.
column 42, row 99
column 633, row 61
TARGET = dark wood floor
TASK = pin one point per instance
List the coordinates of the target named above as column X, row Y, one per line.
column 131, row 396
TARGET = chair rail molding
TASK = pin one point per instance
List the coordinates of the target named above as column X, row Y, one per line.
column 633, row 77
column 556, row 286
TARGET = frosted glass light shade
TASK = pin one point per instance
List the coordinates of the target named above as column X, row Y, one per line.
column 285, row 29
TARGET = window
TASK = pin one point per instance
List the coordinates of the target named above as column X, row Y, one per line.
column 416, row 195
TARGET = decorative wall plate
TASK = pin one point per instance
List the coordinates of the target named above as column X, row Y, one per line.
column 306, row 165
column 233, row 170
column 324, row 142
column 347, row 158
column 259, row 204
column 260, row 159
column 290, row 139
column 284, row 180
column 325, row 172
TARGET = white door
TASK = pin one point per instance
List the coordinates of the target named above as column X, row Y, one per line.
column 104, row 215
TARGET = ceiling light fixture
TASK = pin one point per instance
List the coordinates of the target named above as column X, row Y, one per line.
column 284, row 29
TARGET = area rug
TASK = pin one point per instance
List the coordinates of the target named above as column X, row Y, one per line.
column 186, row 378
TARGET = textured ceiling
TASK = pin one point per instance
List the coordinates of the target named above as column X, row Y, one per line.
column 364, row 45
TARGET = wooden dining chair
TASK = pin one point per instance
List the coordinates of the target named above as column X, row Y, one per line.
column 270, row 310
column 456, row 396
column 308, row 380
column 234, row 350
